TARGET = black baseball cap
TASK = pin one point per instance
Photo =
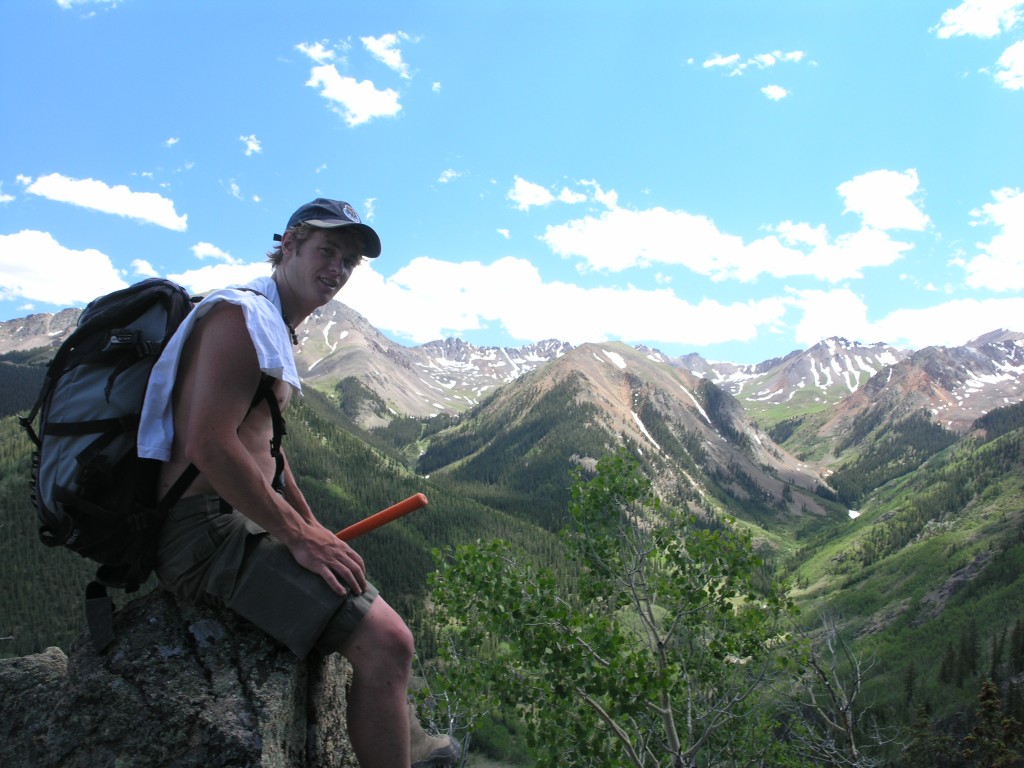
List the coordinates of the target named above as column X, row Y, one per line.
column 331, row 214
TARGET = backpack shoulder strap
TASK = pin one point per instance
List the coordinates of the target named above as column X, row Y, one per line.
column 265, row 392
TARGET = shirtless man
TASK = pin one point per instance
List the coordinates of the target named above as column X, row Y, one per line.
column 236, row 538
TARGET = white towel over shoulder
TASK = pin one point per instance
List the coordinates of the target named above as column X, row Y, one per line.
column 269, row 335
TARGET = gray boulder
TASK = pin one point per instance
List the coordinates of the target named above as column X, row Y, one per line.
column 182, row 687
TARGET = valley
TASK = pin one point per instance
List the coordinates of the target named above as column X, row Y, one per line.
column 884, row 485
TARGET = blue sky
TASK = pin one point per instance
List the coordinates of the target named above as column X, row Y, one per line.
column 737, row 179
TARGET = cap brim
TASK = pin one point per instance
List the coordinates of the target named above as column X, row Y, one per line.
column 372, row 240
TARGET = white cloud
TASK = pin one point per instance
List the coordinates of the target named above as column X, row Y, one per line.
column 525, row 194
column 98, row 196
column 1010, row 72
column 838, row 312
column 609, row 199
column 318, row 52
column 620, row 239
column 883, row 199
column 171, row 141
column 356, row 101
column 737, row 65
column 980, row 18
column 505, row 233
column 4, row 198
column 204, row 250
column 775, row 92
column 950, row 324
column 436, row 87
column 1000, row 265
column 385, row 49
column 204, row 279
column 431, row 299
column 448, row 174
column 142, row 268
column 34, row 266
column 69, row 4
column 988, row 19
column 252, row 144
column 721, row 61
column 841, row 312
column 844, row 258
column 568, row 196
column 802, row 234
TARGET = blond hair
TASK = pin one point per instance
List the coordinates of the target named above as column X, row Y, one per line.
column 300, row 233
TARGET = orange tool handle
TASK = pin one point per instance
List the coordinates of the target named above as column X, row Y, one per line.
column 383, row 517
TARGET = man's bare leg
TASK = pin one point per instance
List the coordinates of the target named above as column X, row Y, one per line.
column 381, row 651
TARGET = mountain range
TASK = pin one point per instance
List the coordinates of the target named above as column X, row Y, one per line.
column 769, row 436
column 887, row 484
column 957, row 383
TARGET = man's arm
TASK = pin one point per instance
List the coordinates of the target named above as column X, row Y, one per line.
column 216, row 390
column 292, row 493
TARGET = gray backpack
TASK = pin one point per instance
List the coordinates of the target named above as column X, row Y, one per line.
column 92, row 492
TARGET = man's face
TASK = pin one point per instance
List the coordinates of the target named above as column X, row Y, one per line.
column 324, row 262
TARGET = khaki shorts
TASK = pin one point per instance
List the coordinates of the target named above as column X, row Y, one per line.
column 221, row 558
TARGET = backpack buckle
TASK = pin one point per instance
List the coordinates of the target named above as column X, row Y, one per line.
column 123, row 338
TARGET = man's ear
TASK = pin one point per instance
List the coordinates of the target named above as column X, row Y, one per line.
column 288, row 243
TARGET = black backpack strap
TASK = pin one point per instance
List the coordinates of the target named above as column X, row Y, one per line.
column 172, row 496
column 99, row 614
column 53, row 371
column 99, row 606
column 265, row 392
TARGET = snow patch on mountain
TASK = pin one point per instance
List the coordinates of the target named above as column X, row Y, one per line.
column 696, row 404
column 957, row 384
column 834, row 368
column 616, row 359
column 640, row 424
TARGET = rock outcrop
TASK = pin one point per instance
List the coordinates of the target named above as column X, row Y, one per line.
column 182, row 687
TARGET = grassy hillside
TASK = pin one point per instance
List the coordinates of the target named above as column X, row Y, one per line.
column 929, row 579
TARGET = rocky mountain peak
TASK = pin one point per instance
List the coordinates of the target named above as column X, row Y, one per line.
column 450, row 375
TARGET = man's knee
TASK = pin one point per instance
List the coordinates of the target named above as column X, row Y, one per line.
column 390, row 634
column 382, row 637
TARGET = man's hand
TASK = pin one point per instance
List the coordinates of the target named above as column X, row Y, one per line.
column 318, row 550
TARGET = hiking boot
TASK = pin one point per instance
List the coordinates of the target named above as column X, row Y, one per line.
column 446, row 752
column 430, row 750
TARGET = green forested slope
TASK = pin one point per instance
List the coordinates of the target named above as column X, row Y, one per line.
column 41, row 589
column 929, row 580
column 927, row 583
column 343, row 479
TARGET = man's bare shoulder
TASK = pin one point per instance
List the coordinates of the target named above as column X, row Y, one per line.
column 222, row 326
column 220, row 339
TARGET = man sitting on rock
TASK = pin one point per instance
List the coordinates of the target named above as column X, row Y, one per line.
column 241, row 534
